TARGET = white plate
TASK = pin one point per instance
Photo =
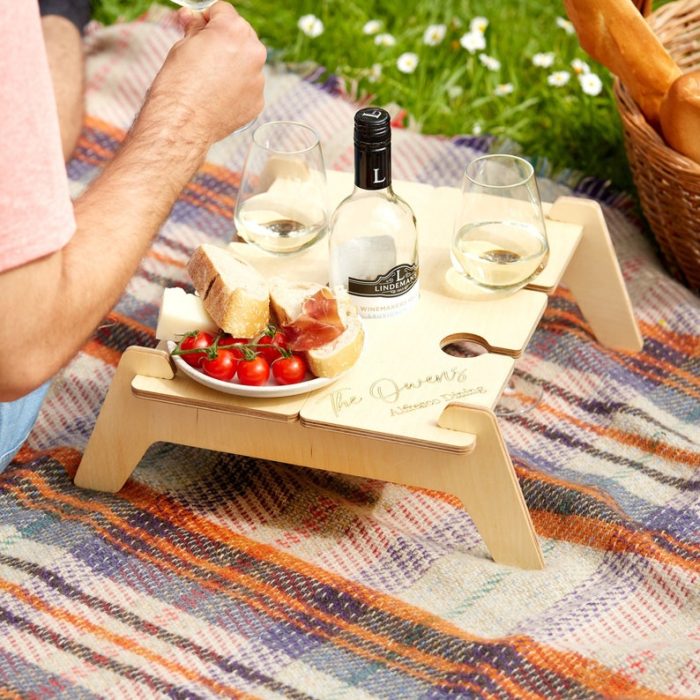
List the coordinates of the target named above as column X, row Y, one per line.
column 270, row 390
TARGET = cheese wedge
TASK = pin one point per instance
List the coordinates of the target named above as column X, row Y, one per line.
column 181, row 313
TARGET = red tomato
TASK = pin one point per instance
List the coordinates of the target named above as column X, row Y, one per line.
column 253, row 372
column 289, row 370
column 199, row 339
column 228, row 339
column 272, row 353
column 222, row 367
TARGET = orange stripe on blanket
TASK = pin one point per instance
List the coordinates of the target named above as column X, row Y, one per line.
column 651, row 359
column 132, row 323
column 683, row 342
column 165, row 259
column 284, row 602
column 99, row 351
column 667, row 379
column 221, row 173
column 587, row 672
column 115, row 132
column 608, row 537
column 601, row 497
column 208, row 206
column 87, row 626
column 225, row 200
column 142, row 497
column 653, row 447
column 9, row 694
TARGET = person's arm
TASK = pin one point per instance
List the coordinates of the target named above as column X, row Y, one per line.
column 210, row 84
column 64, row 50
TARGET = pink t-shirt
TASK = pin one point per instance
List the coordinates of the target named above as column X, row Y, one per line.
column 36, row 215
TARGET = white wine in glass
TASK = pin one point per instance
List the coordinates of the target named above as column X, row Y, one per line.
column 499, row 245
column 281, row 205
column 499, row 241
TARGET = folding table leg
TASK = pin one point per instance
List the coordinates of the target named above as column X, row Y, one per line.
column 594, row 276
column 121, row 434
column 490, row 492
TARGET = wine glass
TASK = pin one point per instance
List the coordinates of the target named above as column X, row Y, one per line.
column 499, row 244
column 281, row 204
column 499, row 240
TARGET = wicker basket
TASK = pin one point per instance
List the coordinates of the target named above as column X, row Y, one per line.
column 668, row 183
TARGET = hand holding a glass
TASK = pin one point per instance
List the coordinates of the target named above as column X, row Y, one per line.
column 211, row 83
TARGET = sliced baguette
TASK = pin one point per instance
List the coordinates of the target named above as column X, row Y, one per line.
column 287, row 298
column 340, row 354
column 233, row 292
column 329, row 360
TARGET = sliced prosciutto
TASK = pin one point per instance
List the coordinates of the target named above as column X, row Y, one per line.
column 318, row 323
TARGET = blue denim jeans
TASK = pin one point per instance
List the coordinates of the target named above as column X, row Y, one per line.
column 16, row 421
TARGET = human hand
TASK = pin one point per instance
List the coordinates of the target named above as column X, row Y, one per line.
column 212, row 81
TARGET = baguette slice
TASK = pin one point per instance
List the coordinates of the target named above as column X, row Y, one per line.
column 287, row 298
column 233, row 292
column 329, row 360
column 340, row 354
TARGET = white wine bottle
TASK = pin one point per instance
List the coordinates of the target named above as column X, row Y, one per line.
column 373, row 235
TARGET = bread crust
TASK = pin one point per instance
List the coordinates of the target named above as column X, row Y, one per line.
column 614, row 33
column 235, row 305
column 349, row 347
column 680, row 115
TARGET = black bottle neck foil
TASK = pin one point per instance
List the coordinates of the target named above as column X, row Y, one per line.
column 372, row 149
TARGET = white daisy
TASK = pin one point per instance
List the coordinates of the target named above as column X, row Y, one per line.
column 543, row 60
column 434, row 34
column 372, row 27
column 503, row 89
column 558, row 78
column 473, row 42
column 565, row 25
column 491, row 63
column 310, row 25
column 476, row 129
column 384, row 40
column 591, row 84
column 455, row 91
column 478, row 24
column 407, row 62
column 375, row 72
column 580, row 66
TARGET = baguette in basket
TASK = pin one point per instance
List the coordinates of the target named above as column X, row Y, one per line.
column 614, row 33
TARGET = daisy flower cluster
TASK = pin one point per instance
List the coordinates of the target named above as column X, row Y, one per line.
column 589, row 82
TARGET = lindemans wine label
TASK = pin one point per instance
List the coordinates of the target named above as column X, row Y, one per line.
column 373, row 239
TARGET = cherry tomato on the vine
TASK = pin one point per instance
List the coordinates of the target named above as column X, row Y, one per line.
column 222, row 367
column 269, row 352
column 228, row 339
column 289, row 370
column 253, row 372
column 201, row 339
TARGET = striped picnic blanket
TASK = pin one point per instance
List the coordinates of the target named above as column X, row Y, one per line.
column 213, row 575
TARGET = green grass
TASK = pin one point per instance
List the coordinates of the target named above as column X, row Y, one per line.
column 571, row 130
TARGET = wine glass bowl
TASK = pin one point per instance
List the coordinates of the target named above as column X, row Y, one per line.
column 281, row 206
column 499, row 242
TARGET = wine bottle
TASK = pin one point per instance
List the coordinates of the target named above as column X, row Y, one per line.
column 373, row 236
